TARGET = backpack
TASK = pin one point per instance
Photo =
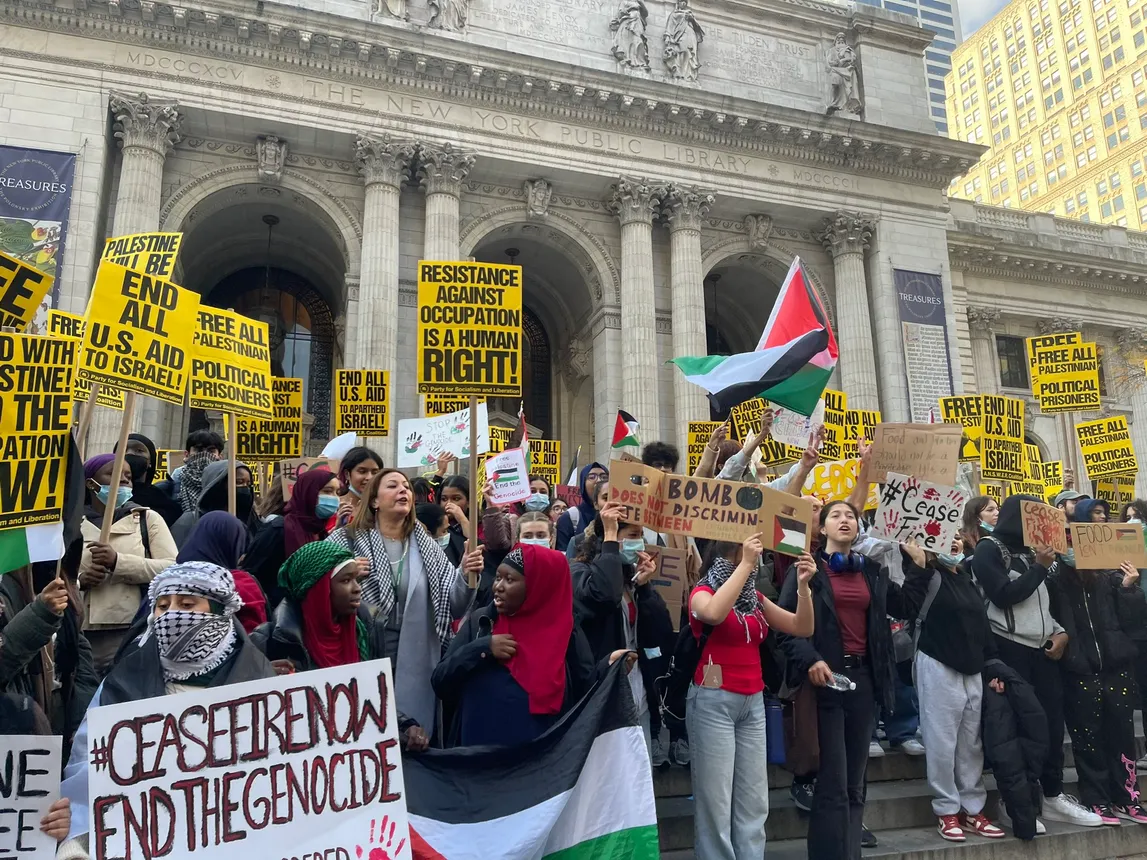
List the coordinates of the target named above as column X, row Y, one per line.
column 672, row 688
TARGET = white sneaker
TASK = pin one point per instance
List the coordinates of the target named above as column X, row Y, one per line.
column 1006, row 821
column 660, row 758
column 912, row 747
column 875, row 750
column 1067, row 809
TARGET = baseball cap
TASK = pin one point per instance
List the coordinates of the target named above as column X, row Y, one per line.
column 1070, row 496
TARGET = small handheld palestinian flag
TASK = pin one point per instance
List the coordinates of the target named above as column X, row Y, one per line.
column 625, row 431
column 23, row 546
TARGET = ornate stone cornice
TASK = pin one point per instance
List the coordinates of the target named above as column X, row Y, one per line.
column 1031, row 265
column 340, row 49
column 634, row 200
column 684, row 207
column 1058, row 325
column 383, row 159
column 443, row 167
column 982, row 321
column 141, row 122
column 847, row 232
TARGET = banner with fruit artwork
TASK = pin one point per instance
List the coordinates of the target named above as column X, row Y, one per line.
column 35, row 196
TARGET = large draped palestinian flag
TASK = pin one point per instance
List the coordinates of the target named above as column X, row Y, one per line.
column 790, row 366
column 583, row 790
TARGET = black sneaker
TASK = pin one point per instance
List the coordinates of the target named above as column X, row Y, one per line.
column 801, row 793
column 867, row 838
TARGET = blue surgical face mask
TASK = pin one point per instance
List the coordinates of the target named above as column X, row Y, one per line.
column 444, row 541
column 536, row 542
column 988, row 527
column 326, row 507
column 537, row 502
column 354, row 492
column 950, row 560
column 630, row 548
column 122, row 495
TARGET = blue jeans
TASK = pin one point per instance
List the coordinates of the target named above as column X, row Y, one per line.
column 730, row 777
column 901, row 725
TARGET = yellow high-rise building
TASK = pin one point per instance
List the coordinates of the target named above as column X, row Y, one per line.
column 1057, row 89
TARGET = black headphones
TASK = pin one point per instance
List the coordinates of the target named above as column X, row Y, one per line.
column 844, row 562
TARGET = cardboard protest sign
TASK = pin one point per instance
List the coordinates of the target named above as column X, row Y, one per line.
column 1106, row 447
column 362, row 402
column 708, row 508
column 506, row 472
column 929, row 452
column 793, row 429
column 669, row 578
column 745, row 419
column 29, row 784
column 831, row 482
column 163, row 467
column 297, row 760
column 1052, row 477
column 231, row 364
column 859, row 424
column 423, row 440
column 968, row 412
column 434, row 405
column 1044, row 526
column 1031, row 344
column 1117, row 493
column 62, row 324
column 148, row 253
column 174, row 460
column 140, row 333
column 570, row 495
column 290, row 470
column 835, row 415
column 22, row 288
column 1002, row 445
column 911, row 509
column 1105, row 546
column 469, row 328
column 546, row 459
column 1066, row 375
column 698, row 437
column 278, row 438
column 35, row 426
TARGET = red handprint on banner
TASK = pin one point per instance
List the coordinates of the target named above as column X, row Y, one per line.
column 931, row 494
column 932, row 529
column 383, row 841
column 891, row 521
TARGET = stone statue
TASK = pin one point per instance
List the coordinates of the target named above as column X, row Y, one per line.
column 629, row 44
column 272, row 155
column 393, row 8
column 842, row 78
column 448, row 14
column 539, row 193
column 683, row 35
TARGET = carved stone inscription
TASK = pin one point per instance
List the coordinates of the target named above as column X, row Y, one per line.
column 778, row 64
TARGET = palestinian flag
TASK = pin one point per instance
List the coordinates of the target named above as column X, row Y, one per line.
column 23, row 546
column 789, row 535
column 582, row 791
column 790, row 366
column 625, row 430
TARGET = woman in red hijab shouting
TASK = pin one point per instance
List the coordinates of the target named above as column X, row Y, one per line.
column 516, row 665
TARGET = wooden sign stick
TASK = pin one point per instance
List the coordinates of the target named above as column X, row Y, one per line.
column 117, row 465
column 231, row 505
column 475, row 490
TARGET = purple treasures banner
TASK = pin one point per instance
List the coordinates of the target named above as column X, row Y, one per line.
column 35, row 194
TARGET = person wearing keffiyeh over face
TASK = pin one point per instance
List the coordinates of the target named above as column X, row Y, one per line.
column 725, row 712
column 193, row 640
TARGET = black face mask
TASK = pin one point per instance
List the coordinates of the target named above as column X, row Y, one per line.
column 244, row 501
column 140, row 466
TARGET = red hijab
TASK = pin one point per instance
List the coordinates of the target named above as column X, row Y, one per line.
column 328, row 642
column 300, row 525
column 542, row 627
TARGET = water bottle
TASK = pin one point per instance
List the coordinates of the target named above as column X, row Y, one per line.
column 774, row 731
column 841, row 683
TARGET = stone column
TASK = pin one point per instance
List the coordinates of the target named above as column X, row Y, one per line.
column 607, row 381
column 1132, row 345
column 384, row 164
column 846, row 236
column 443, row 168
column 685, row 208
column 982, row 330
column 146, row 130
column 634, row 202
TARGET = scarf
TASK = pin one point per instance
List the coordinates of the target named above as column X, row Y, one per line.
column 194, row 643
column 191, row 480
column 747, row 603
column 300, row 525
column 542, row 626
column 306, row 577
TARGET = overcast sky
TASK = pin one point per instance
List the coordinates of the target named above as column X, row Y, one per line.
column 974, row 13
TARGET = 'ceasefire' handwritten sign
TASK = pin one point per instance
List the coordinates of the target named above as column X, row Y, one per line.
column 911, row 509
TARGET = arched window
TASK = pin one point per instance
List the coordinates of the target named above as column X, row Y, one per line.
column 536, row 375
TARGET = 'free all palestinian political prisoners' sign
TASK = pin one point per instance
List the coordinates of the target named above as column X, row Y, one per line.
column 469, row 329
column 231, row 364
column 297, row 760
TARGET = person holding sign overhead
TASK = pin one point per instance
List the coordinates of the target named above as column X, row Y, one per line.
column 416, row 589
column 112, row 574
column 1102, row 611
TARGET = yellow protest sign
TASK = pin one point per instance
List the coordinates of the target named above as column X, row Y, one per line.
column 858, row 424
column 278, row 438
column 163, row 465
column 469, row 329
column 22, row 288
column 1117, row 493
column 148, row 253
column 63, row 324
column 968, row 412
column 698, row 438
column 774, row 453
column 1032, row 461
column 1002, row 445
column 35, row 423
column 1106, row 447
column 546, row 459
column 231, row 364
column 993, row 491
column 745, row 418
column 832, row 482
column 835, row 414
column 1052, row 475
column 1026, row 487
column 435, row 405
column 140, row 332
column 1066, row 375
column 1046, row 341
column 362, row 402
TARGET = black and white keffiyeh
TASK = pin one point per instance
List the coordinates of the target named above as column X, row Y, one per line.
column 747, row 603
column 194, row 643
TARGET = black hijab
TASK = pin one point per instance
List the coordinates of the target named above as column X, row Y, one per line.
column 1009, row 528
column 143, row 491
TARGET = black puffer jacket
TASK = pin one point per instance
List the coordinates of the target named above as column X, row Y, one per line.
column 1101, row 618
column 1015, row 744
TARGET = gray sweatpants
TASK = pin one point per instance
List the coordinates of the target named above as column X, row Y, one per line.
column 950, row 721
